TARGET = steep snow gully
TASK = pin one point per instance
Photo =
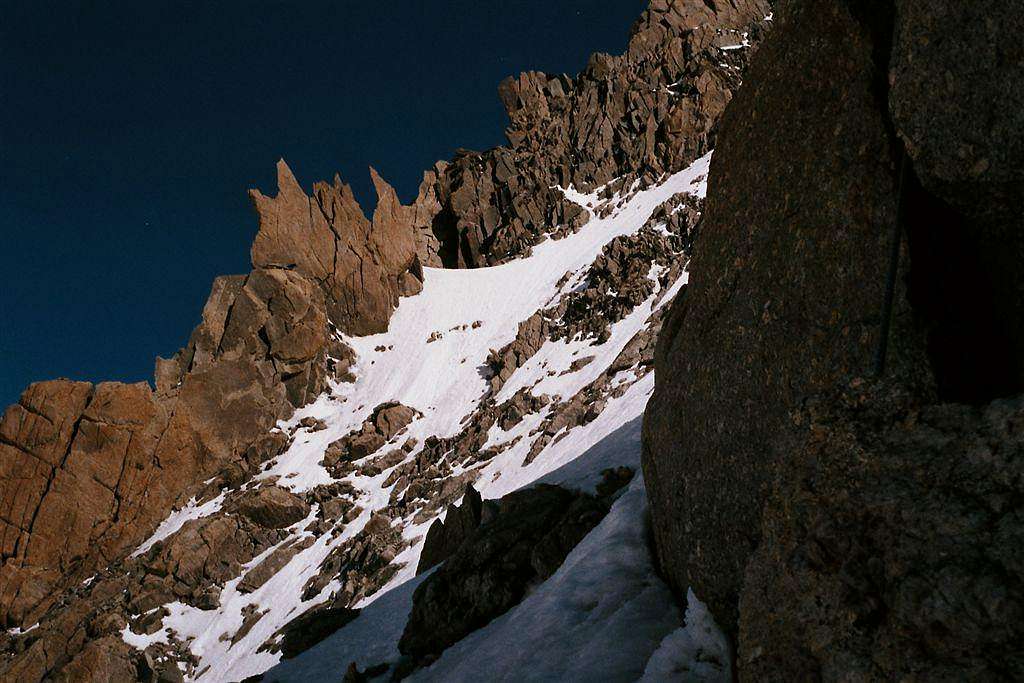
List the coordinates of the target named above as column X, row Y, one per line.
column 604, row 614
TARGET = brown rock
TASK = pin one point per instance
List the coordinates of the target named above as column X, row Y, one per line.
column 75, row 471
column 445, row 537
column 384, row 423
column 891, row 545
column 265, row 570
column 100, row 661
column 391, row 418
column 784, row 297
column 856, row 534
column 203, row 551
column 272, row 507
column 650, row 111
column 361, row 266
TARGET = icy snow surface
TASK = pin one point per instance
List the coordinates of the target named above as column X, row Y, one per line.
column 599, row 618
column 603, row 616
column 697, row 652
column 606, row 590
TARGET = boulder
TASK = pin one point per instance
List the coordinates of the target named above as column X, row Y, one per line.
column 846, row 529
column 272, row 507
column 269, row 567
column 305, row 631
column 208, row 550
column 445, row 537
column 385, row 422
column 959, row 117
column 391, row 418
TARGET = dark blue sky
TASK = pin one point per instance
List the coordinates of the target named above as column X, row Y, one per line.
column 129, row 133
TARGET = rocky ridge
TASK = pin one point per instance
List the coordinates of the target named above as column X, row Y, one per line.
column 252, row 528
column 649, row 112
column 89, row 473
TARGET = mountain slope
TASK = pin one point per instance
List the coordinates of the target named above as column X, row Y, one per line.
column 338, row 399
column 445, row 382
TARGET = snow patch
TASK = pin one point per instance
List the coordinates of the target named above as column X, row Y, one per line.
column 599, row 617
column 697, row 652
column 178, row 518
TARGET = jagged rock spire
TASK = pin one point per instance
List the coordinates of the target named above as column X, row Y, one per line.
column 362, row 266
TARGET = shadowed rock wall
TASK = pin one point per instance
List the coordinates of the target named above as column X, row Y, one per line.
column 786, row 305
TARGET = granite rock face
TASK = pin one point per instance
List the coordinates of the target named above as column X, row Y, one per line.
column 119, row 457
column 835, row 529
column 785, row 294
column 66, row 448
column 956, row 99
column 89, row 471
column 957, row 104
column 891, row 545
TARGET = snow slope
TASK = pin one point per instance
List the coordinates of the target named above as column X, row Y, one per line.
column 604, row 615
column 605, row 592
column 598, row 618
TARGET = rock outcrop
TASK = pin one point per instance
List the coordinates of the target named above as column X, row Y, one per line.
column 387, row 421
column 362, row 266
column 87, row 472
column 447, row 536
column 858, row 223
column 312, row 627
column 272, row 507
column 650, row 111
column 531, row 532
column 754, row 334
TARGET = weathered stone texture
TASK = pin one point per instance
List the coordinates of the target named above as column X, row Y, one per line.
column 785, row 294
column 892, row 545
column 650, row 111
column 843, row 529
column 362, row 266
